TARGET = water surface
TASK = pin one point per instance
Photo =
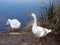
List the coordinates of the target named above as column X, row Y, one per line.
column 19, row 9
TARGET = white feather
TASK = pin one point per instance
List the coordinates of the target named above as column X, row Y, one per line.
column 37, row 30
column 14, row 23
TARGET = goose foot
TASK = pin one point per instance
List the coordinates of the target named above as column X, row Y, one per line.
column 14, row 30
column 39, row 39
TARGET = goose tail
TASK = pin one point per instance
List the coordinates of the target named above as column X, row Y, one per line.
column 49, row 31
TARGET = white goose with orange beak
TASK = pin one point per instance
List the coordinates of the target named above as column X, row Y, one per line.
column 37, row 30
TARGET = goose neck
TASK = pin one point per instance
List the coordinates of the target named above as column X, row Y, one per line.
column 9, row 20
column 35, row 21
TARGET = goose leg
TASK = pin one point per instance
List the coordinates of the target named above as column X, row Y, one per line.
column 14, row 30
column 39, row 39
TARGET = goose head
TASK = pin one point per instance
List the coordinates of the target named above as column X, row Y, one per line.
column 8, row 21
column 33, row 15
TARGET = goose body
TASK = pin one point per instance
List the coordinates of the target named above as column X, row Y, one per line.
column 14, row 23
column 38, row 31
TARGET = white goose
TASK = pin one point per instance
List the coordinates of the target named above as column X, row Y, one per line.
column 37, row 30
column 14, row 23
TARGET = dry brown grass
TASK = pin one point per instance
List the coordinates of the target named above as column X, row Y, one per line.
column 27, row 38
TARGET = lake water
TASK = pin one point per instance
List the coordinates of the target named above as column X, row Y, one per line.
column 19, row 9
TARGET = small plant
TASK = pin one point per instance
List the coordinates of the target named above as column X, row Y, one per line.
column 52, row 19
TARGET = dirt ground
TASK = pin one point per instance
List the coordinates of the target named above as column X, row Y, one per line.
column 28, row 39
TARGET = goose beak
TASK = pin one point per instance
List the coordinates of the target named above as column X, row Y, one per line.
column 30, row 14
